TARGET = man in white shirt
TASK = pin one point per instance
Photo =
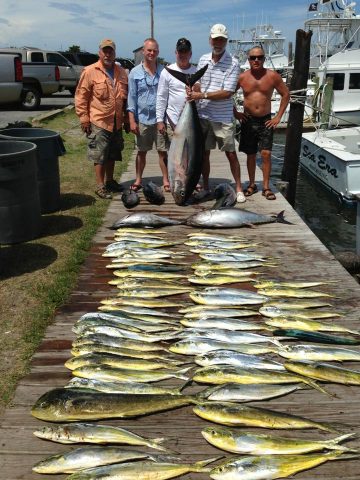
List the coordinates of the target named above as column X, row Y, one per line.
column 171, row 93
column 215, row 107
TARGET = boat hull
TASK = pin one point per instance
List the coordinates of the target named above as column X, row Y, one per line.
column 333, row 158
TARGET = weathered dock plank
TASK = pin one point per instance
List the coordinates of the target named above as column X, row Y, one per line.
column 297, row 254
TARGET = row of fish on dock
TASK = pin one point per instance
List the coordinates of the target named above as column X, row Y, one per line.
column 137, row 338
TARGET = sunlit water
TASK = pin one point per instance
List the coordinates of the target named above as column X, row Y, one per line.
column 332, row 222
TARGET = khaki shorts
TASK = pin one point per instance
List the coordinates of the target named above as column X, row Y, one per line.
column 104, row 146
column 148, row 136
column 218, row 134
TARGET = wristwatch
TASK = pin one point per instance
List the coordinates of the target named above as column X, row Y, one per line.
column 205, row 95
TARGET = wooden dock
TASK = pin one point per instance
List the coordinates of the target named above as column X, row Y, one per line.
column 299, row 256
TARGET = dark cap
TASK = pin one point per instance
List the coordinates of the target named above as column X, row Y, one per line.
column 183, row 45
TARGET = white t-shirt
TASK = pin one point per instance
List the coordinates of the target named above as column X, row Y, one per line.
column 171, row 95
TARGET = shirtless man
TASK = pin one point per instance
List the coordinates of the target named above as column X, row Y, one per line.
column 257, row 126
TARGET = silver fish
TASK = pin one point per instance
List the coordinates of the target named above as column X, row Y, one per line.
column 142, row 219
column 187, row 146
column 231, row 218
column 232, row 392
column 229, row 357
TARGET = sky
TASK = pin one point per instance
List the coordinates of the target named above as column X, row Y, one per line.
column 56, row 25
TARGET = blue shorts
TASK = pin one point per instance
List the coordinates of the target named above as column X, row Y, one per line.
column 254, row 136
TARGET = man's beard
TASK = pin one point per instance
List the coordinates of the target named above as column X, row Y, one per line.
column 218, row 50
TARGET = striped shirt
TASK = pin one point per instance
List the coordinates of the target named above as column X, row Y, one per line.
column 222, row 75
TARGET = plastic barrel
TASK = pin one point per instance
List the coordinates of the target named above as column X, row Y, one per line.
column 50, row 147
column 20, row 217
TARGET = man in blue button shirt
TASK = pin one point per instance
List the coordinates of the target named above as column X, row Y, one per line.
column 143, row 84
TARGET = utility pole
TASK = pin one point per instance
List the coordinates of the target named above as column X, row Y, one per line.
column 152, row 18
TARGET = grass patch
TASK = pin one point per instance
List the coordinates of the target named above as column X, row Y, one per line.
column 37, row 276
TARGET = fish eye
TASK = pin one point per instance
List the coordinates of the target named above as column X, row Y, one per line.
column 213, row 432
column 182, row 193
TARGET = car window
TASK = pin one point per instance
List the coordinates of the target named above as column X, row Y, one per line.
column 87, row 58
column 57, row 59
column 37, row 57
column 71, row 57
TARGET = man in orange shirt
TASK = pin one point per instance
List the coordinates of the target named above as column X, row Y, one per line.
column 100, row 103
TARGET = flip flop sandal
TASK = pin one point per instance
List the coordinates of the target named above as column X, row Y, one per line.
column 268, row 194
column 251, row 189
column 135, row 187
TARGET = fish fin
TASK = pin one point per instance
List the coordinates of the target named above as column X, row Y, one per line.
column 199, row 466
column 189, row 80
column 280, row 218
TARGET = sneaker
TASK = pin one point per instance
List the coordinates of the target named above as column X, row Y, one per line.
column 240, row 197
column 113, row 186
column 102, row 192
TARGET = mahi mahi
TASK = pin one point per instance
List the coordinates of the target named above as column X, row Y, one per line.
column 267, row 444
column 93, row 433
column 72, row 405
column 269, row 467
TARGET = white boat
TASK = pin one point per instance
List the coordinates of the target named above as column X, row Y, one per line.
column 333, row 158
column 344, row 68
column 272, row 41
column 335, row 26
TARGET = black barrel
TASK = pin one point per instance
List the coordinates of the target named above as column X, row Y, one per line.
column 50, row 147
column 20, row 217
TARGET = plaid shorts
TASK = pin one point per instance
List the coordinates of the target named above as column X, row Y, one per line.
column 104, row 146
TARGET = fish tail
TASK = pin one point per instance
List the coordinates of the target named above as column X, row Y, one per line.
column 330, row 427
column 156, row 443
column 280, row 218
column 334, row 443
column 186, row 78
column 354, row 332
column 200, row 466
column 181, row 373
column 313, row 384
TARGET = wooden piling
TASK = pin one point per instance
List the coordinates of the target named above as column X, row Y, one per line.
column 296, row 114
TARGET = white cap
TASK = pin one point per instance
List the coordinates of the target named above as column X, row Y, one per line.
column 218, row 30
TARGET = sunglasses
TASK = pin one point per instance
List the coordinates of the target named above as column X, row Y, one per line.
column 256, row 57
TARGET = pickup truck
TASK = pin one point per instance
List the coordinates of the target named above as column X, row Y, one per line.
column 11, row 74
column 68, row 76
column 40, row 80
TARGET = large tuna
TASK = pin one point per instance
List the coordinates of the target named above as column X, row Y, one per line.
column 185, row 159
column 231, row 218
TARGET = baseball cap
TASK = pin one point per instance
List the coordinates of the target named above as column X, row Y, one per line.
column 107, row 42
column 183, row 45
column 218, row 30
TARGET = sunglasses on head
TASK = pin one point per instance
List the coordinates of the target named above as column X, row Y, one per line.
column 256, row 57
